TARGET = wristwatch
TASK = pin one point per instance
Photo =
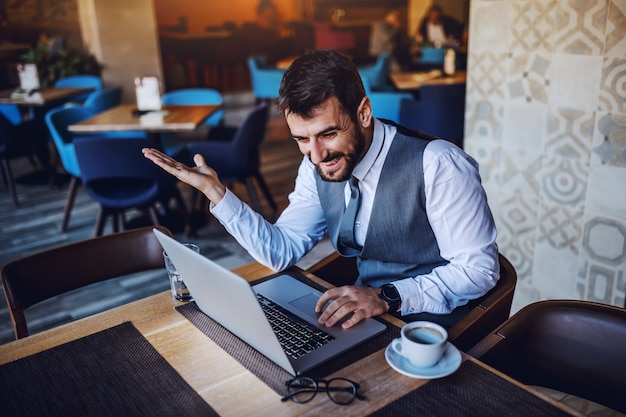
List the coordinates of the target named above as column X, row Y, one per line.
column 389, row 293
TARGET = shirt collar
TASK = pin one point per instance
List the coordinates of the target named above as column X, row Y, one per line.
column 365, row 165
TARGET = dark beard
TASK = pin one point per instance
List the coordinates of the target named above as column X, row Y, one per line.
column 351, row 159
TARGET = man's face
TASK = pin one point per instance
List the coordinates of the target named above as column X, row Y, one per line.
column 330, row 139
column 434, row 16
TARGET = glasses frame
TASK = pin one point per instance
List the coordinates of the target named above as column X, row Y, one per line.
column 317, row 385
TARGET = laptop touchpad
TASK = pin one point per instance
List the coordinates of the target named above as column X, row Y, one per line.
column 306, row 303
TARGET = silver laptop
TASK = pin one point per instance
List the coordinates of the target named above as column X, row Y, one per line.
column 245, row 311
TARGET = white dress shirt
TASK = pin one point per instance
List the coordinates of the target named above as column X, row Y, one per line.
column 456, row 207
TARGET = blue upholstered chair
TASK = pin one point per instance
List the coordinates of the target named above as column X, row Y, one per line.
column 439, row 111
column 12, row 113
column 265, row 80
column 57, row 120
column 377, row 74
column 117, row 175
column 432, row 55
column 237, row 159
column 171, row 142
column 104, row 99
column 80, row 81
column 197, row 96
column 385, row 104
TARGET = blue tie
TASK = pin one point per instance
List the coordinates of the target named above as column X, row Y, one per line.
column 347, row 244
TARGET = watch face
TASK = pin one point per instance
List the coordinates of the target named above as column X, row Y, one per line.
column 390, row 294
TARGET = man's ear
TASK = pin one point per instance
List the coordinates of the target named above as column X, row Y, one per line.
column 364, row 113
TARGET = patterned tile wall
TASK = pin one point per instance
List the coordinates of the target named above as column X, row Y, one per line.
column 546, row 120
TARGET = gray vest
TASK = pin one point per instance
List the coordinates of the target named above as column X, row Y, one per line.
column 400, row 242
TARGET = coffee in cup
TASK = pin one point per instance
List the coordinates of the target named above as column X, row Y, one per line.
column 421, row 342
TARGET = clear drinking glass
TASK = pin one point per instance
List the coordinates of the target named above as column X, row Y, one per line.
column 180, row 292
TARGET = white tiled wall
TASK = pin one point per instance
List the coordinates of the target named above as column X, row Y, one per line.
column 546, row 119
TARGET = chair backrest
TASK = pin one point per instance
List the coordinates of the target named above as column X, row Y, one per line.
column 440, row 111
column 115, row 173
column 58, row 119
column 386, row 104
column 12, row 113
column 378, row 73
column 239, row 157
column 43, row 275
column 80, row 81
column 572, row 346
column 491, row 310
column 265, row 81
column 192, row 96
column 431, row 55
column 101, row 100
column 8, row 134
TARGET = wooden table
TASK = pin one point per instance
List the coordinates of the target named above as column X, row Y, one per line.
column 222, row 381
column 407, row 81
column 121, row 118
column 46, row 96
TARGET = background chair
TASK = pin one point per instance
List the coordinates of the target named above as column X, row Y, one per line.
column 12, row 113
column 57, row 120
column 115, row 174
column 440, row 111
column 237, row 160
column 385, row 104
column 490, row 311
column 430, row 58
column 103, row 99
column 377, row 74
column 572, row 346
column 25, row 139
column 197, row 96
column 265, row 80
column 80, row 81
column 173, row 143
column 43, row 275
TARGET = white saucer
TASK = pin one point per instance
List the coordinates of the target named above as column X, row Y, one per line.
column 449, row 362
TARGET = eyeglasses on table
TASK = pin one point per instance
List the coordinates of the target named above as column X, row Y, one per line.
column 341, row 391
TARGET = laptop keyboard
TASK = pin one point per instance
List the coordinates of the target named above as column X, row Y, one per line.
column 296, row 336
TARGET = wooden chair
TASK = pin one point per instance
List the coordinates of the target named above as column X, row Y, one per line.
column 43, row 275
column 576, row 347
column 492, row 309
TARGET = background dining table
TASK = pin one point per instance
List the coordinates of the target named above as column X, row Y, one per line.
column 413, row 80
column 44, row 97
column 167, row 356
column 126, row 118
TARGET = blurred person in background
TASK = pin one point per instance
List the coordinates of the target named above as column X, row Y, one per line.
column 438, row 29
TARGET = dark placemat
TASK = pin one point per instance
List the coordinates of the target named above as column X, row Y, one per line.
column 470, row 391
column 115, row 372
column 266, row 370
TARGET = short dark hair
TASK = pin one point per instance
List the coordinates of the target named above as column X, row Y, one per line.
column 317, row 76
